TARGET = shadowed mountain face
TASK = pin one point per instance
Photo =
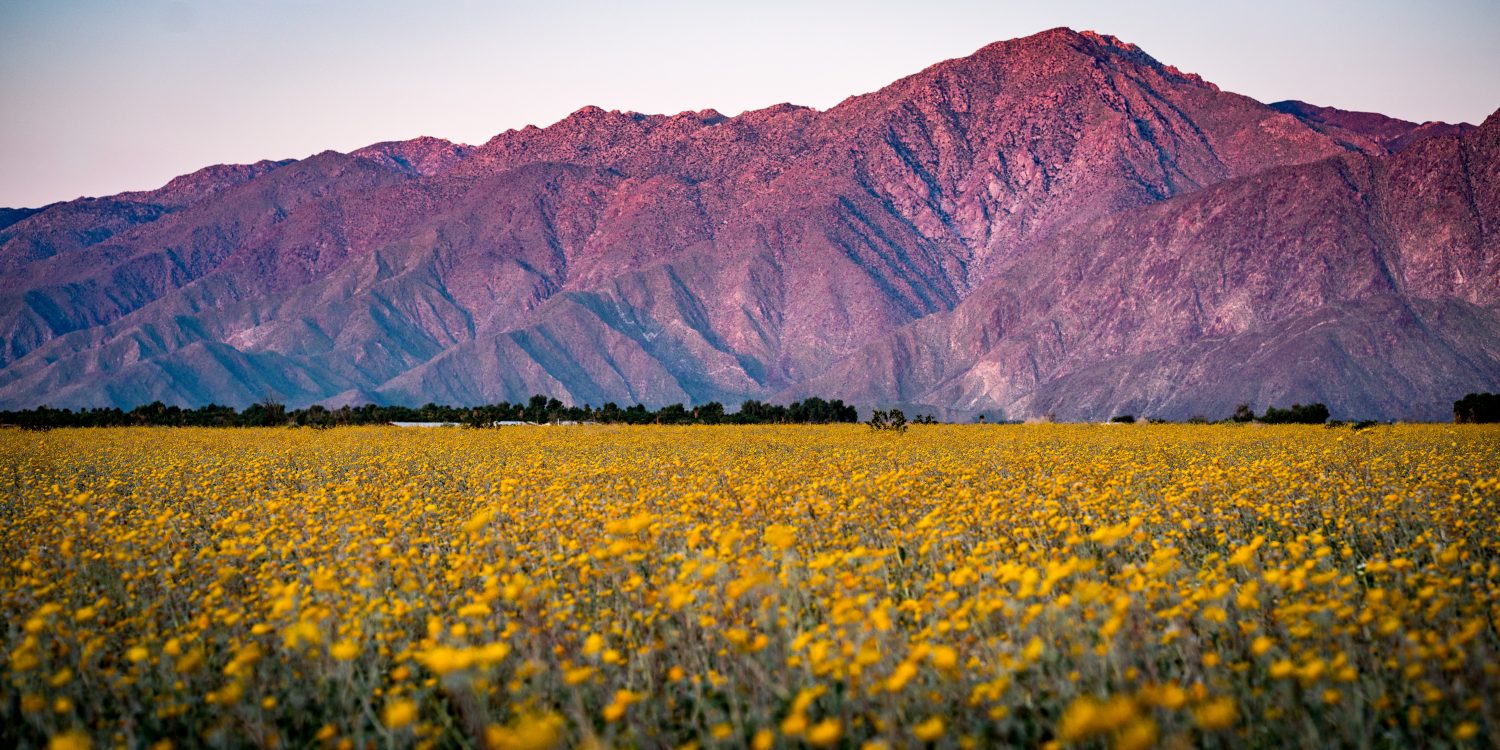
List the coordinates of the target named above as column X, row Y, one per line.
column 985, row 234
column 10, row 216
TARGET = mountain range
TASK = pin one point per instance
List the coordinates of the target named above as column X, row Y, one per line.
column 1058, row 224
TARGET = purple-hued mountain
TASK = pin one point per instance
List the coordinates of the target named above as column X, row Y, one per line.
column 1367, row 131
column 1055, row 224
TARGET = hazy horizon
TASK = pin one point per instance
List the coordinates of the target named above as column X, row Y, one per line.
column 104, row 99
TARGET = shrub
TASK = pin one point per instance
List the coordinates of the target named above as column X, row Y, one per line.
column 893, row 420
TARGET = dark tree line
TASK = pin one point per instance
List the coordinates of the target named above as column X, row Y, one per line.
column 538, row 409
column 1477, row 408
column 1295, row 414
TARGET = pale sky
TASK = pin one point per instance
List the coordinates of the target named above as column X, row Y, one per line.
column 105, row 96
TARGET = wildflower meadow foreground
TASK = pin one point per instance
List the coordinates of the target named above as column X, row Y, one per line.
column 770, row 587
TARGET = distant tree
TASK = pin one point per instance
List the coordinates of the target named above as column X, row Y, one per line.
column 1124, row 419
column 1242, row 413
column 1477, row 408
column 672, row 414
column 709, row 413
column 268, row 413
column 1297, row 414
column 313, row 416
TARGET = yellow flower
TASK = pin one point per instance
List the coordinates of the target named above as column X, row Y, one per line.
column 399, row 714
column 764, row 739
column 1033, row 650
column 526, row 732
column 1216, row 714
column 905, row 671
column 794, row 724
column 1079, row 720
column 73, row 740
column 444, row 660
column 1244, row 555
column 1139, row 734
column 474, row 610
column 1109, row 536
column 825, row 733
column 1171, row 696
column 344, row 650
column 1087, row 717
column 780, row 536
column 622, row 701
column 930, row 730
column 944, row 657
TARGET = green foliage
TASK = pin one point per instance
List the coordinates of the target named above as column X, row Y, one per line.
column 1297, row 414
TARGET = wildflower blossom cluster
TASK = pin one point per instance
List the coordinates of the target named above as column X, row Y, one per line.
column 756, row 586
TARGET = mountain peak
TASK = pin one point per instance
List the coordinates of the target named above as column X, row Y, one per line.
column 1063, row 36
column 1108, row 40
column 1065, row 48
column 423, row 155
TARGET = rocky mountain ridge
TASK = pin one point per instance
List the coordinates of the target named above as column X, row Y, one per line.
column 625, row 257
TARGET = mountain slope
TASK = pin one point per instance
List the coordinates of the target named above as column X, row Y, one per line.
column 1369, row 283
column 1367, row 131
column 618, row 256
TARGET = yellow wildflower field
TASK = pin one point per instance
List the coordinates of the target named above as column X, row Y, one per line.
column 953, row 586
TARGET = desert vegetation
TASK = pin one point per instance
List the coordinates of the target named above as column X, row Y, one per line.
column 836, row 586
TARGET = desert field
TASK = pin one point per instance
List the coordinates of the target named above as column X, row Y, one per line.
column 770, row 587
